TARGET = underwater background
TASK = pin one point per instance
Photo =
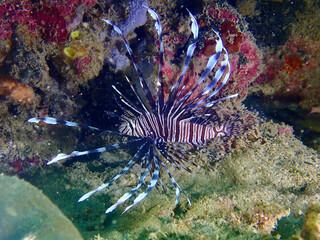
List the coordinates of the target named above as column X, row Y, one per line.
column 59, row 59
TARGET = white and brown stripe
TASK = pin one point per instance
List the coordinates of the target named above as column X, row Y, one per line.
column 172, row 130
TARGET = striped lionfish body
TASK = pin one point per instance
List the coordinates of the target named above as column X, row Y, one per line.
column 167, row 129
column 157, row 127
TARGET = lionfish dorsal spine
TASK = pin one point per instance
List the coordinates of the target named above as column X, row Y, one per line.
column 160, row 94
column 173, row 93
column 126, row 101
column 142, row 82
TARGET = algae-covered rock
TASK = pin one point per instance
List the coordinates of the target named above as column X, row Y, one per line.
column 311, row 226
column 259, row 191
column 26, row 213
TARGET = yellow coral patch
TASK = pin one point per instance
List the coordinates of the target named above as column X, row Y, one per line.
column 75, row 52
column 76, row 35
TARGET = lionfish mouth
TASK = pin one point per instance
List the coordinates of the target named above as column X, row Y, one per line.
column 157, row 127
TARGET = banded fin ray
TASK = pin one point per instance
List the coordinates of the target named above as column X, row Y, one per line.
column 127, row 102
column 191, row 47
column 123, row 145
column 137, row 95
column 54, row 121
column 176, row 185
column 140, row 76
column 136, row 158
column 153, row 182
column 213, row 60
column 127, row 195
column 160, row 95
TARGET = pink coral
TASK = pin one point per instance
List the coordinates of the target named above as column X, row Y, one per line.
column 293, row 72
column 222, row 13
column 244, row 55
column 287, row 130
column 245, row 66
column 20, row 164
column 51, row 18
column 12, row 12
column 81, row 63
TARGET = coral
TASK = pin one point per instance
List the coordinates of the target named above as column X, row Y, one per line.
column 51, row 19
column 81, row 64
column 15, row 11
column 231, row 36
column 244, row 55
column 75, row 52
column 52, row 24
column 292, row 73
column 15, row 91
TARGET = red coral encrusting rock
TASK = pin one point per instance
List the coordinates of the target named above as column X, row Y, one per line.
column 51, row 19
column 244, row 55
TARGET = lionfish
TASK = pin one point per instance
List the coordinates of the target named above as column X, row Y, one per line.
column 158, row 126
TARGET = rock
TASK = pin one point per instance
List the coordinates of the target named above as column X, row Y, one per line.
column 26, row 213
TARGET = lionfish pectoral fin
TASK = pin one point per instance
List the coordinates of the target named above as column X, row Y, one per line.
column 153, row 182
column 126, row 196
column 59, row 157
column 54, row 121
column 86, row 196
column 133, row 161
column 121, row 200
column 62, row 156
column 177, row 187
